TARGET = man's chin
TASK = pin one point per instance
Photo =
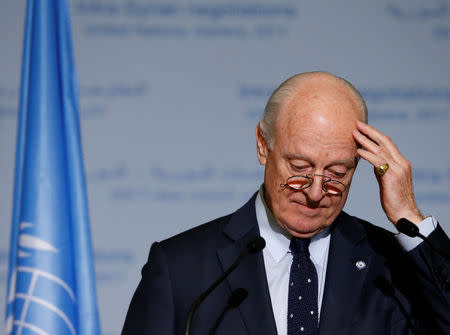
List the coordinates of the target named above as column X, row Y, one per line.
column 305, row 229
column 305, row 234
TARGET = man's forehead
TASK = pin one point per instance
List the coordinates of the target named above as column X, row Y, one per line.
column 319, row 121
column 321, row 109
column 347, row 161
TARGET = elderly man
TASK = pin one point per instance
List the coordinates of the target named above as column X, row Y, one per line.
column 322, row 271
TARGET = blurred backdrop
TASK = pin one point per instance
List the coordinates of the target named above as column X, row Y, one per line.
column 171, row 91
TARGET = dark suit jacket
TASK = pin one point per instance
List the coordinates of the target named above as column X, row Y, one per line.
column 397, row 293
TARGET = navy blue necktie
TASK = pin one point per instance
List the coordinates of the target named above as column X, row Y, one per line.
column 302, row 300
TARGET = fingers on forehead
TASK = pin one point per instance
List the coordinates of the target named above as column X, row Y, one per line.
column 371, row 157
column 380, row 139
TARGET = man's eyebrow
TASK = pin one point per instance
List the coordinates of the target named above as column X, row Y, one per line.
column 290, row 155
column 347, row 162
column 351, row 162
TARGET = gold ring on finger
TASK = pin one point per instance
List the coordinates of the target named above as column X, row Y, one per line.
column 381, row 169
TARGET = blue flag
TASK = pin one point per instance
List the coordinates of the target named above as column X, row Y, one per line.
column 51, row 282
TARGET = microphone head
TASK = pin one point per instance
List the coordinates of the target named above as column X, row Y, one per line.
column 407, row 227
column 256, row 245
column 237, row 297
column 385, row 286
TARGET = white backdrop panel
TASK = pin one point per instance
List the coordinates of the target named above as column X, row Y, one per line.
column 171, row 91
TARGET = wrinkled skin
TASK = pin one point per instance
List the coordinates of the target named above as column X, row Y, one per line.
column 317, row 131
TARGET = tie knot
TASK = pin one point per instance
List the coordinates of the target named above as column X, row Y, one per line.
column 299, row 245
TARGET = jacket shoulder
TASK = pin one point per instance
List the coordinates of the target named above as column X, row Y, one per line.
column 218, row 232
column 204, row 236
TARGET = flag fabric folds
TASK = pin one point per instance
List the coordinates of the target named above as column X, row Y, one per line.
column 51, row 281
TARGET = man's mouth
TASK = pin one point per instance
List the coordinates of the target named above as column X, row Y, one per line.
column 308, row 209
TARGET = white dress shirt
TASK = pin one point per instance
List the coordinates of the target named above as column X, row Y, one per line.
column 278, row 258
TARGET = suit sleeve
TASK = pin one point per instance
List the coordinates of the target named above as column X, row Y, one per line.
column 433, row 282
column 151, row 309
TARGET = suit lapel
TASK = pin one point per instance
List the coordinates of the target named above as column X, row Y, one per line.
column 256, row 309
column 348, row 263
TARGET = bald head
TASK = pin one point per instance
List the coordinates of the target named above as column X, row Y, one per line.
column 312, row 89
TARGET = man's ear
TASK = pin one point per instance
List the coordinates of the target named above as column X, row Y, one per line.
column 261, row 146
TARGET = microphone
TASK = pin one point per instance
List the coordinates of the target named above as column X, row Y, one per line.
column 252, row 247
column 256, row 245
column 408, row 228
column 235, row 299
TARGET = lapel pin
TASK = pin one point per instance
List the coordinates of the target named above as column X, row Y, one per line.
column 360, row 265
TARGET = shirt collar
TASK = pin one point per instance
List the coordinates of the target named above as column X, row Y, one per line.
column 277, row 238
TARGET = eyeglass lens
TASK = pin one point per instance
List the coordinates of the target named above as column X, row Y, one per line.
column 332, row 187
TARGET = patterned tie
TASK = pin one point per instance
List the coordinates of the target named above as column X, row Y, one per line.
column 302, row 300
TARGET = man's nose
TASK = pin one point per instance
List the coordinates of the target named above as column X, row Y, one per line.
column 315, row 192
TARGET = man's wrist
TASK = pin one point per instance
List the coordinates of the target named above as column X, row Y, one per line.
column 415, row 216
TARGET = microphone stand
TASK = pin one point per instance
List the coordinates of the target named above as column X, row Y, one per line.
column 254, row 246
